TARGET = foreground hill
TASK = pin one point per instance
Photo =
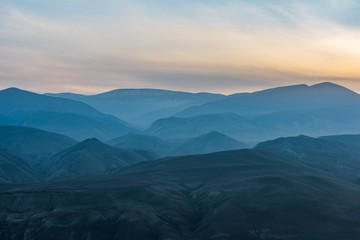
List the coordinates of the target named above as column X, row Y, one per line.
column 33, row 145
column 142, row 106
column 92, row 157
column 339, row 159
column 243, row 194
column 14, row 169
column 207, row 143
column 145, row 142
column 70, row 117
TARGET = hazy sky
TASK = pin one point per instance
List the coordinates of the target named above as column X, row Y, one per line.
column 90, row 46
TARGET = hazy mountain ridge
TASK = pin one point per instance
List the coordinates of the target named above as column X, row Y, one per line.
column 142, row 106
column 59, row 115
column 258, row 128
column 289, row 98
column 318, row 110
column 192, row 127
column 205, row 143
column 78, row 126
column 18, row 100
column 146, row 142
column 208, row 143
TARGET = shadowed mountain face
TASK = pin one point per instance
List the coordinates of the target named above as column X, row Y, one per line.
column 351, row 141
column 33, row 145
column 242, row 194
column 318, row 110
column 14, row 169
column 92, row 157
column 298, row 97
column 17, row 102
column 340, row 159
column 142, row 106
column 146, row 142
column 6, row 120
column 207, row 143
column 74, row 118
column 296, row 145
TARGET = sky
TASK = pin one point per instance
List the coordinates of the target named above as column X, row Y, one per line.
column 88, row 46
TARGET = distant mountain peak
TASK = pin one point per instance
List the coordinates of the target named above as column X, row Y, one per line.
column 140, row 91
column 14, row 90
column 91, row 144
column 329, row 86
column 326, row 84
column 91, row 141
column 214, row 134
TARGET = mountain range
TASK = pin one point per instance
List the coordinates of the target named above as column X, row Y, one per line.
column 318, row 110
column 289, row 98
column 142, row 106
column 208, row 143
column 181, row 167
column 322, row 109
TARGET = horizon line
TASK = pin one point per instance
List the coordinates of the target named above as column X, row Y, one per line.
column 180, row 91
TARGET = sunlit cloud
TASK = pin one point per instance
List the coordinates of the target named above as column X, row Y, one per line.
column 222, row 46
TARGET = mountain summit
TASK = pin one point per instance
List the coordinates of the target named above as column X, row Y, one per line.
column 92, row 157
column 211, row 142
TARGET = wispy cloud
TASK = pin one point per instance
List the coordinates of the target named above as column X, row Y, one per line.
column 197, row 45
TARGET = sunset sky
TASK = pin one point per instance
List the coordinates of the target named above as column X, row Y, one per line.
column 89, row 46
